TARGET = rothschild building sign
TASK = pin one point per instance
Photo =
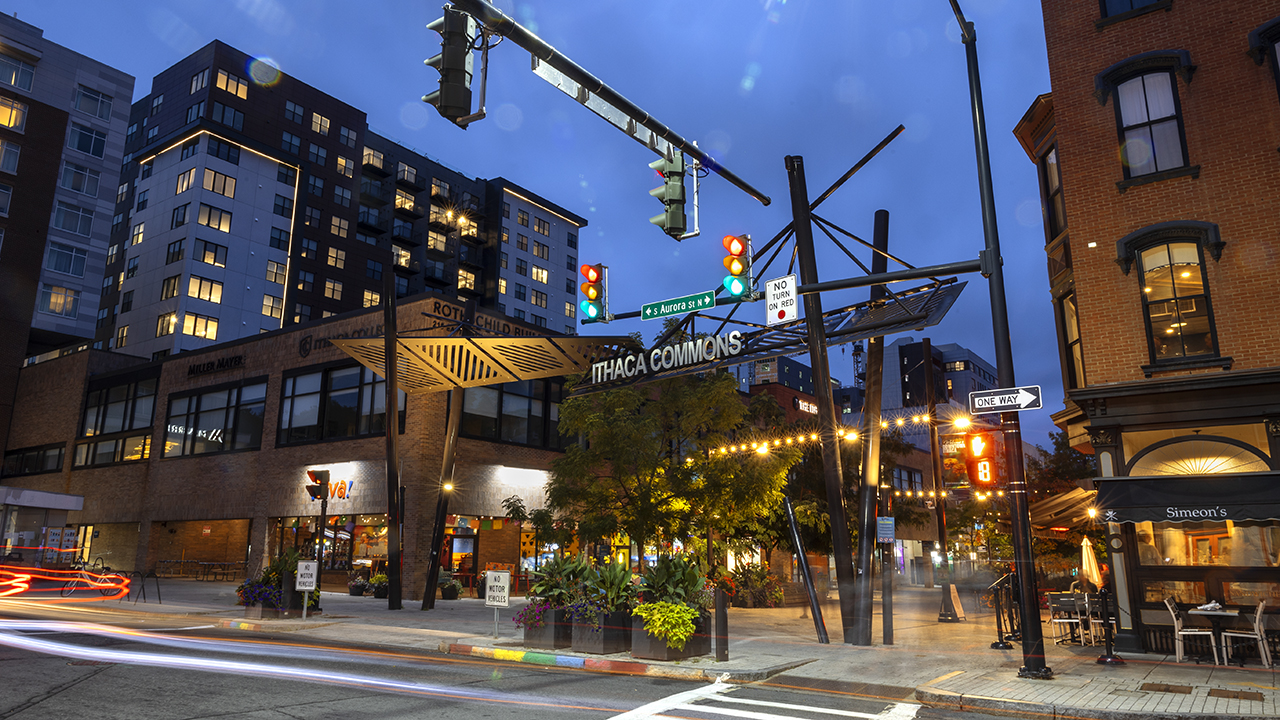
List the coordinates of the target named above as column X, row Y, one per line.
column 667, row 357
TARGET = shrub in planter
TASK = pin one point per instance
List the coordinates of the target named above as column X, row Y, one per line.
column 378, row 584
column 356, row 584
column 602, row 617
column 756, row 587
column 449, row 590
column 273, row 590
column 545, row 627
column 669, row 631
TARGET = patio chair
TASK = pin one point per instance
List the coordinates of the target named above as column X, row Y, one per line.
column 1063, row 615
column 1180, row 631
column 1257, row 633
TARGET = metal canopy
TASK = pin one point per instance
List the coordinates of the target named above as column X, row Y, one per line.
column 436, row 364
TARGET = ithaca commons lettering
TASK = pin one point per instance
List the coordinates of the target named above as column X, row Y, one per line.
column 668, row 357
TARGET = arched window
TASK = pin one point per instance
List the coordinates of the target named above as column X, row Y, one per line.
column 1148, row 114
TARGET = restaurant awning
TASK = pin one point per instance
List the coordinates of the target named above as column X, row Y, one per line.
column 1067, row 510
column 1189, row 498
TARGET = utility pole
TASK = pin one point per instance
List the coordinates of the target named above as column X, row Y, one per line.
column 947, row 613
column 392, row 422
column 992, row 267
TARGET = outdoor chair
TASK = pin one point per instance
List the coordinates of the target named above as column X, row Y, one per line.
column 1063, row 615
column 1096, row 615
column 1255, row 634
column 1087, row 629
column 1180, row 631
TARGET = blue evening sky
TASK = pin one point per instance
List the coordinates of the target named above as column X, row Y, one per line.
column 750, row 80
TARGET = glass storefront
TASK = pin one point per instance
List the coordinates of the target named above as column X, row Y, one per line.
column 351, row 542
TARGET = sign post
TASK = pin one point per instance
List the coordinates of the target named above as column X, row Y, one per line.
column 497, row 593
column 678, row 306
column 780, row 300
column 305, row 581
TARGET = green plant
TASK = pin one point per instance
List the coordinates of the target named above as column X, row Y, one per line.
column 670, row 622
column 451, row 584
column 673, row 579
column 356, row 581
column 611, row 585
column 379, row 580
column 559, row 579
column 755, row 581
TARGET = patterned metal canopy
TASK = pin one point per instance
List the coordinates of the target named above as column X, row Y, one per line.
column 436, row 364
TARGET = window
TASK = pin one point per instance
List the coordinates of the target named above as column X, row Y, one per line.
column 522, row 293
column 1112, row 8
column 522, row 242
column 335, row 403
column 143, row 198
column 401, row 228
column 9, row 156
column 366, row 239
column 519, row 314
column 157, row 103
column 306, row 280
column 15, row 72
column 179, row 216
column 506, row 236
column 217, row 182
column 526, row 412
column 228, row 116
column 342, row 196
column 72, row 218
column 371, row 298
column 205, row 289
column 166, row 323
column 210, row 253
column 538, row 320
column 112, row 252
column 311, row 217
column 439, row 189
column 317, row 154
column 122, row 192
column 279, row 238
column 119, row 408
column 152, row 134
column 224, row 151
column 539, row 298
column 185, row 181
column 283, row 206
column 131, row 267
column 126, row 302
column 542, row 227
column 1176, row 302
column 466, row 280
column 502, row 260
column 87, row 140
column 347, row 137
column 273, row 306
column 174, row 252
column 93, row 102
column 502, row 286
column 337, row 258
column 216, row 421
column 319, row 124
column 232, row 84
column 522, row 267
column 568, row 286
column 372, row 158
column 401, row 255
column 287, row 174
column 199, row 81
column 1073, row 351
column 315, row 185
column 201, row 326
column 522, row 218
column 30, row 461
column 66, row 259
column 6, row 198
column 13, row 114
column 404, row 200
column 402, row 286
column 294, row 112
column 570, row 263
column 542, row 251
column 81, row 179
column 215, row 218
column 572, row 240
column 346, row 168
column 570, row 310
column 309, row 248
column 301, row 313
column 195, row 112
column 290, row 143
column 57, row 300
column 190, row 148
column 169, row 287
column 135, row 236
column 539, row 274
column 506, row 210
column 333, row 289
column 1150, row 126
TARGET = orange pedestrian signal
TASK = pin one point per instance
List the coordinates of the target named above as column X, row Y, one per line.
column 980, row 458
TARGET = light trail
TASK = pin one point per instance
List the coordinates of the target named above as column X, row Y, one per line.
column 17, row 581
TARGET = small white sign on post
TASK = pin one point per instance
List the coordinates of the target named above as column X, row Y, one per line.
column 305, row 581
column 497, row 593
column 781, row 305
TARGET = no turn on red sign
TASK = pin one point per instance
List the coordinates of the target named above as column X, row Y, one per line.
column 781, row 305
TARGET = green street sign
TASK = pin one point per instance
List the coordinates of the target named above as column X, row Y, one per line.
column 678, row 306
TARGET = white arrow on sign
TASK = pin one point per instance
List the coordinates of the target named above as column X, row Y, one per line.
column 1022, row 398
column 1005, row 400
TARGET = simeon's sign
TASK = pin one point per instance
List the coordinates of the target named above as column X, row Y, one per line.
column 668, row 357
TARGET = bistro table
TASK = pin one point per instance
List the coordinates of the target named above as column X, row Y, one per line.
column 1215, row 620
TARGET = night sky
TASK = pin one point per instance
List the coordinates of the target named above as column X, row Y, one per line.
column 750, row 81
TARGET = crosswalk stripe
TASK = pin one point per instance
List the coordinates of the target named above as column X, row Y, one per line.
column 739, row 713
column 652, row 709
column 809, row 708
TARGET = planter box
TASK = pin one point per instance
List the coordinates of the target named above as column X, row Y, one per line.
column 258, row 612
column 647, row 647
column 356, row 591
column 613, row 634
column 449, row 593
column 556, row 633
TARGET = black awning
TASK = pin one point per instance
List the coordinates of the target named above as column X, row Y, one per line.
column 1189, row 498
column 1069, row 510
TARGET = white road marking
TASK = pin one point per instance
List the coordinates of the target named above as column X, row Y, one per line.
column 890, row 713
column 651, row 710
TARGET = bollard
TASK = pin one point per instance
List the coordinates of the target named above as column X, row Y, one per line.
column 722, row 625
column 1110, row 658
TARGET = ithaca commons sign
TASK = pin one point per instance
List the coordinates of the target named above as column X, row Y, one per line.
column 668, row 357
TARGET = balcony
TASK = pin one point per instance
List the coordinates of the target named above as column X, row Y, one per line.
column 409, row 178
column 437, row 275
column 472, row 256
column 374, row 164
column 403, row 233
column 408, row 207
column 438, row 247
column 370, row 221
column 372, row 192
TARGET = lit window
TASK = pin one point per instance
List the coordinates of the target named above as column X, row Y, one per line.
column 406, row 173
column 273, row 306
column 522, row 218
column 1176, row 302
column 232, row 84
column 541, row 250
column 122, row 336
column 538, row 274
column 201, row 326
column 135, row 236
column 539, row 298
column 346, row 168
column 219, row 183
column 13, row 114
column 319, row 124
column 166, row 324
column 216, row 421
column 371, row 298
column 502, row 286
column 570, row 310
column 275, row 272
column 57, row 300
column 15, row 72
column 333, row 289
column 337, row 258
column 542, row 227
column 466, row 280
column 204, row 289
column 210, row 253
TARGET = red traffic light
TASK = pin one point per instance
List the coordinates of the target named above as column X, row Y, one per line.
column 320, row 488
column 980, row 457
column 735, row 245
column 591, row 273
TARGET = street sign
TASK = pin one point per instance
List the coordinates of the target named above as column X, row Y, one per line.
column 678, row 306
column 306, row 577
column 1005, row 400
column 780, row 300
column 884, row 530
column 497, row 588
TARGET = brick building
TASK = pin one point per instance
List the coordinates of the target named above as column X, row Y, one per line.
column 1158, row 168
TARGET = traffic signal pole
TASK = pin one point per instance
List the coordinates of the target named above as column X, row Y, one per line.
column 992, row 267
column 947, row 612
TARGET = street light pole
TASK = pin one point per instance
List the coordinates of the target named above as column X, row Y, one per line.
column 992, row 267
column 392, row 422
column 947, row 613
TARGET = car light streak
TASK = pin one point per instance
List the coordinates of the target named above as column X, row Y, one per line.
column 16, row 580
column 231, row 667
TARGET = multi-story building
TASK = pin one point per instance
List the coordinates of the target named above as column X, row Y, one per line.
column 1158, row 169
column 252, row 201
column 62, row 126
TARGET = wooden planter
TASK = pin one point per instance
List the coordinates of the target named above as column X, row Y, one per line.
column 258, row 612
column 555, row 633
column 647, row 647
column 449, row 592
column 610, row 633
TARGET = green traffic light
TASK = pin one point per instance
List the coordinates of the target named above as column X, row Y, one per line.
column 734, row 285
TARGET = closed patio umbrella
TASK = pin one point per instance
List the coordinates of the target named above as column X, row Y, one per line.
column 1089, row 564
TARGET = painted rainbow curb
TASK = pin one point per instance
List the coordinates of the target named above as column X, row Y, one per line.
column 532, row 657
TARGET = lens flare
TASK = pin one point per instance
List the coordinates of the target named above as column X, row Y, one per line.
column 263, row 71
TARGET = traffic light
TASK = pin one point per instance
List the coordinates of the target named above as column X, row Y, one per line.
column 738, row 262
column 595, row 308
column 453, row 99
column 672, row 219
column 980, row 458
column 319, row 490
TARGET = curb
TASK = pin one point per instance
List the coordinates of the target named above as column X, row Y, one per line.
column 628, row 667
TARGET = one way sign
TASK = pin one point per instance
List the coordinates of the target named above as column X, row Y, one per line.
column 1005, row 400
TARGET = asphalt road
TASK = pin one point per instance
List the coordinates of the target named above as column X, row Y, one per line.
column 53, row 668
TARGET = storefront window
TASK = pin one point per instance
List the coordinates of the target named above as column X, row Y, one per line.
column 526, row 413
column 1236, row 544
column 336, row 403
column 1182, row 591
column 216, row 421
column 1249, row 593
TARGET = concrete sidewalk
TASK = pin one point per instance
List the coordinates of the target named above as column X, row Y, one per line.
column 948, row 665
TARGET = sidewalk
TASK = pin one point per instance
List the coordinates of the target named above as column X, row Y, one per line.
column 946, row 665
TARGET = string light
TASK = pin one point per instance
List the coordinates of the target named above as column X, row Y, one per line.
column 762, row 446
